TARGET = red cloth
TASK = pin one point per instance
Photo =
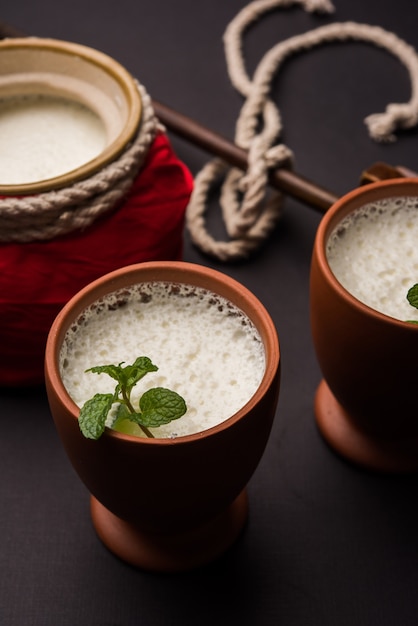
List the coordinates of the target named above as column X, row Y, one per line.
column 37, row 279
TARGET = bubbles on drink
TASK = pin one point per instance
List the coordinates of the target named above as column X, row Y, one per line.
column 205, row 347
column 373, row 253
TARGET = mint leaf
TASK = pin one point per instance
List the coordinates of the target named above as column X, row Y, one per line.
column 160, row 406
column 114, row 371
column 412, row 296
column 131, row 374
column 157, row 406
column 93, row 414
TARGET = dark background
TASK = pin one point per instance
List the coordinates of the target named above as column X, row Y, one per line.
column 327, row 543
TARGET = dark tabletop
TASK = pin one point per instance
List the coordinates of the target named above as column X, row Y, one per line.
column 326, row 543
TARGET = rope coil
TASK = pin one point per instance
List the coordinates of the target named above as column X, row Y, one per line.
column 250, row 210
column 59, row 212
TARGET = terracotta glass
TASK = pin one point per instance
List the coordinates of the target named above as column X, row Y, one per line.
column 168, row 504
column 365, row 406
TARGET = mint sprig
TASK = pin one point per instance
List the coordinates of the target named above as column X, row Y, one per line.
column 412, row 297
column 157, row 406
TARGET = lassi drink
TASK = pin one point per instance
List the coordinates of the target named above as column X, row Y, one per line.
column 373, row 253
column 43, row 136
column 206, row 349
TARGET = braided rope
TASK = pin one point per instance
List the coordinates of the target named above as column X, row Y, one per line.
column 250, row 210
column 47, row 215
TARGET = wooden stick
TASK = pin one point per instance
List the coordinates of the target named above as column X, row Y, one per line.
column 285, row 180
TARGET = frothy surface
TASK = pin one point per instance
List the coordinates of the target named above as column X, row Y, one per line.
column 43, row 137
column 374, row 255
column 206, row 349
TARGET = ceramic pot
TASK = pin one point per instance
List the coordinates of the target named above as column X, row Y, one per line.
column 52, row 68
column 194, row 506
column 125, row 205
column 365, row 406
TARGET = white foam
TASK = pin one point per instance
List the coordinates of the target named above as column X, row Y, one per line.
column 43, row 137
column 374, row 255
column 206, row 349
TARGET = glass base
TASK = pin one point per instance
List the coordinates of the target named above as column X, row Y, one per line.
column 382, row 455
column 170, row 552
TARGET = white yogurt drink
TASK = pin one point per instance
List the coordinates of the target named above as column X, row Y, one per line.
column 43, row 136
column 373, row 253
column 205, row 348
